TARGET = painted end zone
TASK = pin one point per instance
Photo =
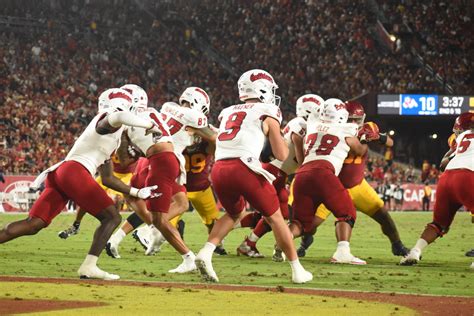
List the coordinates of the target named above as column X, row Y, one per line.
column 201, row 299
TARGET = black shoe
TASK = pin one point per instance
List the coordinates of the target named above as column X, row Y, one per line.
column 301, row 252
column 220, row 251
column 73, row 230
column 180, row 228
column 398, row 249
column 470, row 253
column 306, row 242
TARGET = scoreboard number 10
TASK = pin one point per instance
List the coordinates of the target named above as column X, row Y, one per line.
column 428, row 103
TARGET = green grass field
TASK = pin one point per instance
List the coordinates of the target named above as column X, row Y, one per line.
column 444, row 269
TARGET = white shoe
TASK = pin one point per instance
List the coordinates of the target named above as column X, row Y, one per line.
column 186, row 266
column 156, row 240
column 472, row 265
column 142, row 236
column 301, row 276
column 347, row 258
column 205, row 269
column 93, row 272
column 111, row 248
column 412, row 258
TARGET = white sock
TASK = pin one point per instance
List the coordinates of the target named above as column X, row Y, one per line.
column 90, row 260
column 296, row 265
column 253, row 237
column 343, row 244
column 119, row 235
column 189, row 256
column 420, row 245
column 208, row 249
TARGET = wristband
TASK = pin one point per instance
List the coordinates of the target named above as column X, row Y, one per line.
column 383, row 138
column 134, row 191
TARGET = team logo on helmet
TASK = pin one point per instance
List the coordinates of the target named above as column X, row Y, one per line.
column 311, row 99
column 255, row 77
column 203, row 93
column 119, row 95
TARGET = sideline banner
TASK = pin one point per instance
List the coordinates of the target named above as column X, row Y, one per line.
column 15, row 195
column 413, row 196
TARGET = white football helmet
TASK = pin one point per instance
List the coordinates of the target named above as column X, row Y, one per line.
column 140, row 98
column 307, row 104
column 197, row 98
column 115, row 99
column 334, row 111
column 258, row 84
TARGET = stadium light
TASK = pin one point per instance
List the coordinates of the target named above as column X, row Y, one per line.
column 392, row 37
column 391, row 132
column 434, row 136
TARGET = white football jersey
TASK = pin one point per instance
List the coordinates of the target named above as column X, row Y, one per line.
column 295, row 126
column 464, row 154
column 328, row 142
column 178, row 118
column 137, row 135
column 240, row 131
column 92, row 149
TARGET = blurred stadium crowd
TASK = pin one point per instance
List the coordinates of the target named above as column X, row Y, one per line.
column 57, row 56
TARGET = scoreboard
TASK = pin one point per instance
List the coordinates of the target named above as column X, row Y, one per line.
column 424, row 104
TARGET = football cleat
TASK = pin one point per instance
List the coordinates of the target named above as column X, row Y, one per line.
column 470, row 253
column 301, row 252
column 301, row 276
column 472, row 265
column 398, row 249
column 220, row 251
column 111, row 249
column 306, row 242
column 206, row 270
column 71, row 231
column 188, row 265
column 155, row 243
column 346, row 258
column 93, row 272
column 141, row 239
column 249, row 249
column 413, row 257
column 278, row 254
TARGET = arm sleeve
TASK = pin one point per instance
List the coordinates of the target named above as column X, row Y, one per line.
column 116, row 119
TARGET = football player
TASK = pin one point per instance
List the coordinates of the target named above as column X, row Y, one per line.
column 455, row 187
column 328, row 140
column 183, row 120
column 199, row 158
column 237, row 174
column 362, row 194
column 293, row 133
column 72, row 179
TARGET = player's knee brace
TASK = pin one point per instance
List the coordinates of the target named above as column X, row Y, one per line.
column 134, row 220
column 440, row 230
column 348, row 219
